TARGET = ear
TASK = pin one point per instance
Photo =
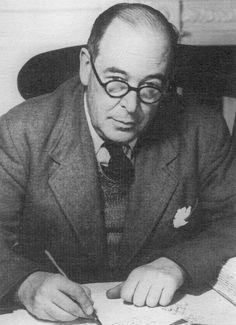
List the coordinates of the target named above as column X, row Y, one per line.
column 85, row 66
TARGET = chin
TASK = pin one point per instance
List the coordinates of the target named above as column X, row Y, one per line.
column 122, row 137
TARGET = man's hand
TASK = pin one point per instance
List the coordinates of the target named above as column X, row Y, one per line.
column 53, row 297
column 151, row 284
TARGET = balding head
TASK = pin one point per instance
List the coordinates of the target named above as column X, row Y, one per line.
column 136, row 15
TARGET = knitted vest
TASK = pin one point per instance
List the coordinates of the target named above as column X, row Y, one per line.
column 115, row 204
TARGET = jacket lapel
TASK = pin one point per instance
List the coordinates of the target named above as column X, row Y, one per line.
column 155, row 182
column 74, row 179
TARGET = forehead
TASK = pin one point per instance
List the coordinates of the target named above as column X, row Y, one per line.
column 137, row 50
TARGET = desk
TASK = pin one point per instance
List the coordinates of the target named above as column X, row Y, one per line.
column 208, row 308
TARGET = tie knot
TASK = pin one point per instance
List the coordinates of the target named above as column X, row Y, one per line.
column 119, row 167
column 115, row 150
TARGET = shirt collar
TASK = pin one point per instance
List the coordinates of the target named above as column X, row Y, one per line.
column 97, row 140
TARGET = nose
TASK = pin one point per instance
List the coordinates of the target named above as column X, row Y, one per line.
column 130, row 102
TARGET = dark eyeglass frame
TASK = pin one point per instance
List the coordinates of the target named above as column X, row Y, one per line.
column 129, row 88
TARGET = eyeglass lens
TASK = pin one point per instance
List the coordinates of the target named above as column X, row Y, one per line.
column 146, row 94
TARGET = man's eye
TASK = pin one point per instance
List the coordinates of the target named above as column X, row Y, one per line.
column 113, row 78
column 157, row 85
column 117, row 79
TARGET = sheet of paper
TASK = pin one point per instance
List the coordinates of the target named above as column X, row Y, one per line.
column 208, row 308
column 226, row 282
column 116, row 312
column 110, row 312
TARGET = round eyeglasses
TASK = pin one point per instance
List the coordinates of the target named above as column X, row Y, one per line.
column 118, row 89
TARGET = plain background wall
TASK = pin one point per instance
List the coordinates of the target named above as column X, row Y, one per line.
column 29, row 27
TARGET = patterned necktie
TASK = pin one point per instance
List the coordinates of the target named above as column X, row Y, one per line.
column 119, row 168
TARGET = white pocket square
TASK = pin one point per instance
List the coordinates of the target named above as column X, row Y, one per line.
column 181, row 216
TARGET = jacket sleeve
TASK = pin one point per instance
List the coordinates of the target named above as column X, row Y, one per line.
column 13, row 181
column 204, row 254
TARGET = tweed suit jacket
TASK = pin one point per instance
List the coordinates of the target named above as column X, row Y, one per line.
column 50, row 196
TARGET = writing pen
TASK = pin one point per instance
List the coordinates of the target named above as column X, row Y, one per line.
column 94, row 315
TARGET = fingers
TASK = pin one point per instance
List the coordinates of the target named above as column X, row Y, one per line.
column 149, row 293
column 65, row 303
column 154, row 295
column 51, row 309
column 54, row 297
column 141, row 292
column 129, row 287
column 62, row 304
column 167, row 294
column 114, row 292
column 87, row 290
column 150, row 284
column 55, row 313
column 78, row 293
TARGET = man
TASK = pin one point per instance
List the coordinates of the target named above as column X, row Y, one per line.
column 114, row 178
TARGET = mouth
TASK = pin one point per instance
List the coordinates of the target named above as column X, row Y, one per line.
column 125, row 124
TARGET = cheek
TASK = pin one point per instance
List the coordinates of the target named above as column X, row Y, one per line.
column 94, row 101
column 97, row 97
column 100, row 106
column 147, row 114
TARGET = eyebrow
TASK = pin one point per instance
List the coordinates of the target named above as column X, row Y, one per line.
column 115, row 70
column 158, row 76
